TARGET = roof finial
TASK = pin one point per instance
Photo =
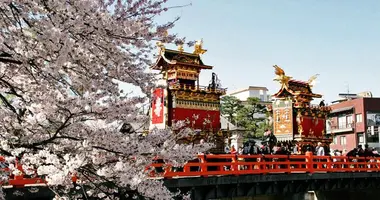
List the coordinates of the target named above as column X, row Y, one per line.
column 161, row 52
column 198, row 48
column 281, row 77
column 312, row 80
column 161, row 47
column 180, row 48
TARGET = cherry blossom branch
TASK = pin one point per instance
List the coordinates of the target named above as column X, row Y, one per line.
column 51, row 139
column 13, row 109
column 58, row 60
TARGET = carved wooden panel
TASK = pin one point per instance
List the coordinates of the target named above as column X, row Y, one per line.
column 283, row 117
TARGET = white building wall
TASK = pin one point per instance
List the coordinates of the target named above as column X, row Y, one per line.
column 258, row 93
column 242, row 96
column 254, row 93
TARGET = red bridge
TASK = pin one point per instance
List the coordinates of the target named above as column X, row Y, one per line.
column 229, row 164
column 230, row 176
column 227, row 176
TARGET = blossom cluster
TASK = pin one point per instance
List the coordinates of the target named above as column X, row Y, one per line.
column 60, row 104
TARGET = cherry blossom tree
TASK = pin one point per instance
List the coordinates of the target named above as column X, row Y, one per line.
column 61, row 106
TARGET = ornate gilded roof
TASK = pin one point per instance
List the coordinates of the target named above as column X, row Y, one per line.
column 291, row 87
column 179, row 57
column 296, row 88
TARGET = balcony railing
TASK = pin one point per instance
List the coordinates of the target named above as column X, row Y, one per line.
column 197, row 88
column 341, row 128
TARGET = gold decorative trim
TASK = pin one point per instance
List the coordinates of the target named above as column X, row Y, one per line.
column 196, row 96
column 198, row 50
column 300, row 129
column 197, row 105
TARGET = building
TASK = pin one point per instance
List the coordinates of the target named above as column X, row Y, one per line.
column 181, row 98
column 252, row 91
column 354, row 121
column 235, row 133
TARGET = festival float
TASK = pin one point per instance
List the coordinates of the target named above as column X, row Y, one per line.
column 181, row 98
column 295, row 119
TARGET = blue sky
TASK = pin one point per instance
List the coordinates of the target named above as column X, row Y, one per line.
column 338, row 39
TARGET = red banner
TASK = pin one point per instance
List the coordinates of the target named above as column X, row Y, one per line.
column 158, row 106
column 199, row 119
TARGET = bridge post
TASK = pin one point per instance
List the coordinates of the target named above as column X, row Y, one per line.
column 19, row 177
column 168, row 171
column 235, row 164
column 203, row 166
column 309, row 161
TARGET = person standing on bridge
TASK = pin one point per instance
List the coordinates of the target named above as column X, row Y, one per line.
column 227, row 149
column 320, row 149
column 233, row 150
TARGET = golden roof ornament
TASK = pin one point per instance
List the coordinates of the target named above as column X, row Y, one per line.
column 281, row 77
column 161, row 47
column 161, row 52
column 312, row 80
column 180, row 48
column 198, row 48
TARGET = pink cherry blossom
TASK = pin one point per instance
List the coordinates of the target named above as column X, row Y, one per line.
column 61, row 107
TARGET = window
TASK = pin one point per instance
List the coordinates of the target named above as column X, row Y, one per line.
column 328, row 125
column 335, row 139
column 343, row 140
column 349, row 119
column 342, row 121
column 360, row 137
column 372, row 138
column 359, row 118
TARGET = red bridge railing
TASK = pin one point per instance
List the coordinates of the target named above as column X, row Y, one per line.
column 19, row 180
column 229, row 164
column 211, row 165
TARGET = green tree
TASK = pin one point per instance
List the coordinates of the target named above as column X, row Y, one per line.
column 252, row 117
column 230, row 106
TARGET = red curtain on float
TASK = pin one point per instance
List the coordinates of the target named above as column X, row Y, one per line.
column 306, row 125
column 317, row 125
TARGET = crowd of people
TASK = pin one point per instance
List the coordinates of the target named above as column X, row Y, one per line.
column 357, row 152
column 252, row 148
column 287, row 148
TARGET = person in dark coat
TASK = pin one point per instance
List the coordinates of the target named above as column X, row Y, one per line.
column 246, row 148
column 352, row 153
column 368, row 151
column 253, row 149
